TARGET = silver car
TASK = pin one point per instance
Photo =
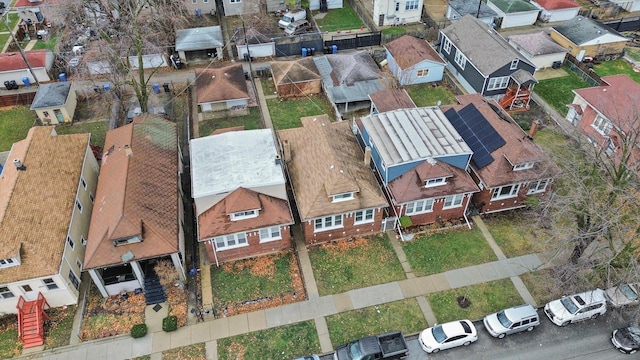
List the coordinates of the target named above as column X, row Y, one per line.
column 625, row 294
column 511, row 321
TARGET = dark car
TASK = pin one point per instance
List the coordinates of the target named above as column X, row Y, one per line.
column 626, row 339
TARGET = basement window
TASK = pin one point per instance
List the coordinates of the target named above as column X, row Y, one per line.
column 5, row 293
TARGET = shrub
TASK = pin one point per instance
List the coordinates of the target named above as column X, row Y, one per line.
column 170, row 323
column 524, row 125
column 138, row 330
column 405, row 221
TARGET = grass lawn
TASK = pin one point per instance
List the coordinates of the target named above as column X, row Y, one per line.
column 340, row 19
column 250, row 122
column 14, row 125
column 614, row 67
column 485, row 298
column 268, row 87
column 58, row 332
column 542, row 286
column 3, row 39
column 284, row 342
column 286, row 113
column 191, row 352
column 446, row 251
column 14, row 18
column 143, row 357
column 427, row 95
column 394, row 30
column 515, row 234
column 633, row 53
column 404, row 315
column 98, row 130
column 347, row 265
column 49, row 43
column 557, row 91
column 10, row 345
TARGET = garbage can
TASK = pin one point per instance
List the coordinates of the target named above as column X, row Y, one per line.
column 62, row 77
column 26, row 82
column 156, row 88
column 106, row 87
column 166, row 87
column 334, row 49
column 304, row 52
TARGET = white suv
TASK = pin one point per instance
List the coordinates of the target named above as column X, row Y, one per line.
column 578, row 307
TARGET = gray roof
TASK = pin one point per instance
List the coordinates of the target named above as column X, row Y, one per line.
column 580, row 30
column 537, row 43
column 465, row 7
column 50, row 95
column 201, row 38
column 523, row 77
column 408, row 135
column 224, row 162
column 482, row 45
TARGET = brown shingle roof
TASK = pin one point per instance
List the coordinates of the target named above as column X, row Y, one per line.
column 391, row 99
column 36, row 204
column 221, row 84
column 137, row 194
column 408, row 51
column 295, row 71
column 326, row 160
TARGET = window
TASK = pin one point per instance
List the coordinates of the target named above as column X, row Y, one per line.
column 342, row 197
column 435, row 182
column 231, row 241
column 423, row 72
column 235, row 1
column 452, row 201
column 538, row 186
column 602, row 125
column 194, row 1
column 84, row 183
column 205, row 1
column 505, row 192
column 50, row 284
column 9, row 262
column 460, row 59
column 79, row 205
column 397, row 6
column 79, row 264
column 514, row 64
column 329, row 222
column 91, row 197
column 5, row 293
column 447, row 46
column 244, row 215
column 26, row 288
column 411, row 5
column 74, row 280
column 611, row 147
column 70, row 242
column 498, row 83
column 269, row 234
column 524, row 166
column 419, row 207
column 83, row 240
column 363, row 216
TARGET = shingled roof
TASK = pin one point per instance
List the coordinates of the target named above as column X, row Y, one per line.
column 51, row 95
column 537, row 43
column 13, row 61
column 408, row 51
column 200, row 38
column 294, row 71
column 221, row 84
column 584, row 31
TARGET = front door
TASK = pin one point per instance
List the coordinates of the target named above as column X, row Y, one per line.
column 58, row 115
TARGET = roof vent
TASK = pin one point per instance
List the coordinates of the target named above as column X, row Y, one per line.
column 19, row 164
column 127, row 150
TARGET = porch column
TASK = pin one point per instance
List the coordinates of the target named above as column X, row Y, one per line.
column 137, row 271
column 97, row 279
column 177, row 263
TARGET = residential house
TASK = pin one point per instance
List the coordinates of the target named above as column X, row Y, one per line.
column 47, row 191
column 327, row 4
column 348, row 78
column 608, row 116
column 221, row 88
column 335, row 191
column 13, row 67
column 387, row 12
column 539, row 49
column 246, row 7
column 506, row 164
column 414, row 61
column 200, row 7
column 483, row 62
column 628, row 5
column 421, row 162
column 37, row 12
column 513, row 13
column 390, row 99
column 139, row 216
column 240, row 195
column 557, row 10
column 200, row 44
column 456, row 9
column 254, row 43
column 55, row 103
column 586, row 37
column 296, row 78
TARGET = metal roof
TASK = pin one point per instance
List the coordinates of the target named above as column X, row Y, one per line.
column 201, row 38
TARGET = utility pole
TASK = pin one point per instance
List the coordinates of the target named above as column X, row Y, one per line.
column 24, row 58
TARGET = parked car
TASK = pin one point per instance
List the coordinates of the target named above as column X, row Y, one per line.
column 297, row 27
column 387, row 346
column 623, row 295
column 626, row 339
column 447, row 336
column 291, row 16
column 578, row 307
column 511, row 321
column 308, row 357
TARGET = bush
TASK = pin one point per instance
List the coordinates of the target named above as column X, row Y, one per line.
column 524, row 125
column 405, row 221
column 138, row 330
column 170, row 323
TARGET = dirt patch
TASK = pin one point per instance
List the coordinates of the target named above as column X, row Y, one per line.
column 534, row 113
column 93, row 106
column 463, row 302
column 112, row 316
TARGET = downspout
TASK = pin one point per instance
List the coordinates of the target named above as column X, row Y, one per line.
column 464, row 213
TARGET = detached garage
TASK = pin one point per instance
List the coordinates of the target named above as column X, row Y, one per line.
column 200, row 44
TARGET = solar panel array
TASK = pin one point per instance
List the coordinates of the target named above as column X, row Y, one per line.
column 476, row 131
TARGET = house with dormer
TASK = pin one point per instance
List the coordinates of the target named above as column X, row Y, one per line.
column 336, row 193
column 421, row 161
column 240, row 195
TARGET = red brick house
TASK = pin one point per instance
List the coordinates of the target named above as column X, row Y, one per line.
column 335, row 191
column 608, row 115
column 240, row 195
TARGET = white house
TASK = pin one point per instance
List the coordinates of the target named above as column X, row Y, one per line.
column 557, row 10
column 387, row 12
column 514, row 13
column 538, row 48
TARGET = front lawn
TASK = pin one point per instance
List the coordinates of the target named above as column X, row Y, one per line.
column 340, row 19
column 615, row 67
column 427, row 95
column 516, row 234
column 14, row 125
column 112, row 316
column 403, row 315
column 250, row 122
column 438, row 253
column 633, row 53
column 543, row 286
column 57, row 331
column 49, row 43
column 284, row 342
column 10, row 345
column 190, row 352
column 557, row 91
column 286, row 113
column 484, row 299
column 98, row 130
column 3, row 39
column 346, row 265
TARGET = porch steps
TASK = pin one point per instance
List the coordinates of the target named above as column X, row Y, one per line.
column 31, row 316
column 153, row 291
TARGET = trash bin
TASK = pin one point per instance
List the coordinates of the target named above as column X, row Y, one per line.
column 26, row 82
column 156, row 88
column 62, row 77
column 166, row 87
column 304, row 52
column 106, row 87
column 334, row 49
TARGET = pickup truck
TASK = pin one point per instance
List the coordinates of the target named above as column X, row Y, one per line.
column 387, row 346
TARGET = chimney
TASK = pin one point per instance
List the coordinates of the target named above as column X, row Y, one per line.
column 127, row 150
column 19, row 165
column 286, row 149
column 367, row 156
column 534, row 129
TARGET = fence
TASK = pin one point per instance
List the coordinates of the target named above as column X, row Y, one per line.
column 364, row 16
column 20, row 97
column 354, row 41
column 292, row 45
column 583, row 70
column 429, row 34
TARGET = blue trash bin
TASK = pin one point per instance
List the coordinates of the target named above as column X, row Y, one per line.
column 26, row 82
column 304, row 52
column 334, row 49
column 106, row 87
column 62, row 77
column 156, row 88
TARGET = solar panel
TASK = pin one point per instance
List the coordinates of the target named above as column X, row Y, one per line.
column 476, row 131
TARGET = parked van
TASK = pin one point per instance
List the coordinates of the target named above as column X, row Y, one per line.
column 291, row 16
column 297, row 27
column 511, row 321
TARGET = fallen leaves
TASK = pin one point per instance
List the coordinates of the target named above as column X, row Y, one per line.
column 112, row 316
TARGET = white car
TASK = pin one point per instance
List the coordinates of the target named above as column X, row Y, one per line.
column 448, row 335
column 625, row 294
column 578, row 307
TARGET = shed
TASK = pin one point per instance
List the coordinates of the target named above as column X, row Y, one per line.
column 514, row 13
column 55, row 103
column 13, row 67
column 221, row 88
column 296, row 77
column 586, row 37
column 200, row 44
column 456, row 9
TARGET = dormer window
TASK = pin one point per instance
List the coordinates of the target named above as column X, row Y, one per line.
column 9, row 262
column 435, row 182
column 514, row 64
column 129, row 240
column 342, row 197
column 241, row 215
column 523, row 166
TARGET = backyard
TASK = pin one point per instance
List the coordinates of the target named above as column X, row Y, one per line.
column 427, row 95
column 340, row 19
column 15, row 123
column 286, row 113
column 98, row 130
column 557, row 91
column 250, row 122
